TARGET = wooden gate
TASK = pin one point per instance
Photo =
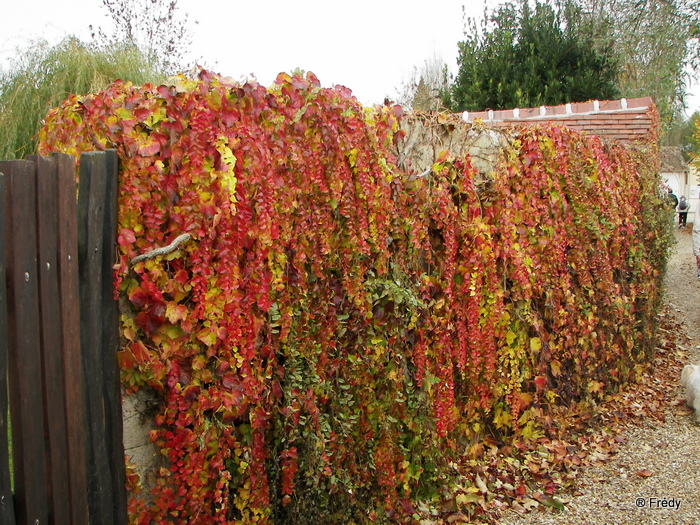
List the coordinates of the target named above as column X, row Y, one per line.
column 61, row 451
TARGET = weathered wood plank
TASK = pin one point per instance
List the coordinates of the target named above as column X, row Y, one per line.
column 52, row 357
column 29, row 458
column 91, row 196
column 7, row 510
column 110, row 340
column 105, row 478
column 70, row 335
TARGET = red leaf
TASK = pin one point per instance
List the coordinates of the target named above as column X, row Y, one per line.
column 150, row 320
column 149, row 149
column 140, row 353
column 166, row 91
column 126, row 359
column 138, row 297
column 142, row 114
column 126, row 236
column 407, row 505
column 229, row 117
column 540, row 383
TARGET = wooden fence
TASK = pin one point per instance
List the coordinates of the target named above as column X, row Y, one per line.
column 61, row 451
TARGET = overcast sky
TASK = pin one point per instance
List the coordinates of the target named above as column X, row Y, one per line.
column 369, row 46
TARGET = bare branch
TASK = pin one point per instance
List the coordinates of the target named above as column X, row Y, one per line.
column 162, row 251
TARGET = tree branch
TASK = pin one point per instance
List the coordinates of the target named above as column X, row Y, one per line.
column 164, row 250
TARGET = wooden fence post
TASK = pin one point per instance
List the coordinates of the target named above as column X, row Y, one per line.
column 26, row 401
column 51, row 352
column 58, row 309
column 111, row 340
column 7, row 509
column 70, row 335
column 99, row 333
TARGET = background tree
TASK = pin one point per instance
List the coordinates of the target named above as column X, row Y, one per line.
column 149, row 41
column 655, row 43
column 681, row 133
column 43, row 75
column 694, row 149
column 522, row 56
column 428, row 88
column 156, row 27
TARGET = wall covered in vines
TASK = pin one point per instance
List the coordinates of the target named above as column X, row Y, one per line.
column 336, row 331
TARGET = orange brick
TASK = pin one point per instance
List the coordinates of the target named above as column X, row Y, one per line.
column 610, row 105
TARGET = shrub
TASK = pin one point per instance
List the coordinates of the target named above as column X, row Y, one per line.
column 335, row 333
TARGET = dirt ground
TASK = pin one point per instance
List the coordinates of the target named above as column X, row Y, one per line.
column 683, row 286
column 655, row 476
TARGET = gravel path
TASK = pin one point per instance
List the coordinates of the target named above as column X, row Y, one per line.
column 658, row 466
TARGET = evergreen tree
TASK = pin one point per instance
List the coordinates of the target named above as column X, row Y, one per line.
column 530, row 56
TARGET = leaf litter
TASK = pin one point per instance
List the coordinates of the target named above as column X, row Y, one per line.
column 545, row 480
column 639, row 457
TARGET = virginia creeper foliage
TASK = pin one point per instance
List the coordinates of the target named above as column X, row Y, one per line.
column 334, row 333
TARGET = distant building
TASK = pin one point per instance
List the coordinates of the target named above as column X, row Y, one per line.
column 674, row 172
column 693, row 192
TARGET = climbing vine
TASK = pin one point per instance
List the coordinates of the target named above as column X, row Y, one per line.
column 332, row 333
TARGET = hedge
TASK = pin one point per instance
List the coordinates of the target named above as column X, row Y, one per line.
column 335, row 333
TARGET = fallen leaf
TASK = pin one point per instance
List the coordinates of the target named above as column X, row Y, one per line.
column 480, row 483
column 530, row 504
column 645, row 473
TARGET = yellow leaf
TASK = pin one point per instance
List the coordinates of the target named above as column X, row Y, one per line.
column 214, row 100
column 501, row 417
column 176, row 312
column 352, row 157
column 182, row 84
column 173, row 331
column 207, row 337
column 530, row 432
column 157, row 116
column 595, row 386
column 463, row 499
column 555, row 366
column 535, row 344
column 198, row 362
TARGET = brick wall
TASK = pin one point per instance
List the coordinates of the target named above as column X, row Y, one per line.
column 625, row 120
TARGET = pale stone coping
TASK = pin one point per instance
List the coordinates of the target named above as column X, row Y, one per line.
column 569, row 113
